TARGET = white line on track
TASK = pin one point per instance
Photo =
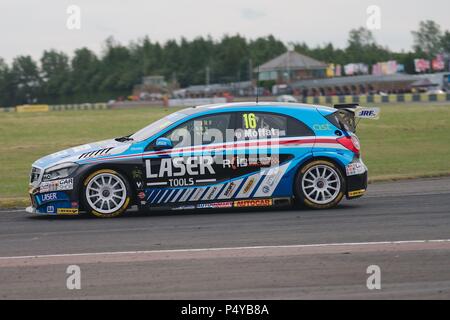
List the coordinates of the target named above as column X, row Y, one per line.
column 3, row 211
column 299, row 246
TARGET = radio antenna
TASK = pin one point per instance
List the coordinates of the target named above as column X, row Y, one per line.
column 257, row 80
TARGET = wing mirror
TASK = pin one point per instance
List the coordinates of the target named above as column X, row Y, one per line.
column 163, row 144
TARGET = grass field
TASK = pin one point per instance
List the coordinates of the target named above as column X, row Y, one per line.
column 408, row 140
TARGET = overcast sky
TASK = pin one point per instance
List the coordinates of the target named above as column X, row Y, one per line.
column 31, row 26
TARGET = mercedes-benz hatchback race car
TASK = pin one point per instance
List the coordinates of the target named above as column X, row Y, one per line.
column 216, row 156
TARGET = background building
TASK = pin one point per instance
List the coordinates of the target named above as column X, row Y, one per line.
column 370, row 84
column 291, row 66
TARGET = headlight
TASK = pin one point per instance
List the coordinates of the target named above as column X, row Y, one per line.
column 59, row 171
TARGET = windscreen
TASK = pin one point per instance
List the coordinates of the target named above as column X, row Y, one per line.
column 157, row 126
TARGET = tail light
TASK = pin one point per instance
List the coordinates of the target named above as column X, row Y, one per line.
column 351, row 143
column 355, row 141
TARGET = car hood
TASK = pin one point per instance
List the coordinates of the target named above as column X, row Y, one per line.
column 83, row 152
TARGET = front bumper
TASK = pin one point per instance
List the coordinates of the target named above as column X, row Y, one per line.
column 52, row 202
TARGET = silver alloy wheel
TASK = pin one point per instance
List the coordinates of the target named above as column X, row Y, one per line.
column 321, row 184
column 106, row 193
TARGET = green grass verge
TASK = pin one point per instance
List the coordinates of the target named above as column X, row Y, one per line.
column 408, row 141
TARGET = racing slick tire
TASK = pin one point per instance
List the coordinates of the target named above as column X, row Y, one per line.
column 319, row 184
column 105, row 193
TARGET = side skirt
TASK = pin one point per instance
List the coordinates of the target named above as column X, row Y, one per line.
column 245, row 203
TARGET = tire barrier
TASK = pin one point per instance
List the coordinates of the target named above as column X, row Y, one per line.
column 322, row 100
column 83, row 106
column 8, row 109
column 56, row 107
column 33, row 108
column 391, row 98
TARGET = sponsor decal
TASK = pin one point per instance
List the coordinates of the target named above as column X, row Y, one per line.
column 368, row 113
column 67, row 211
column 356, row 193
column 322, row 127
column 182, row 182
column 355, row 168
column 249, row 184
column 271, row 181
column 49, row 197
column 253, row 203
column 215, row 205
column 137, row 174
column 141, row 195
column 211, row 193
column 58, row 185
column 229, row 191
column 50, row 209
column 243, row 162
column 260, row 133
column 180, row 166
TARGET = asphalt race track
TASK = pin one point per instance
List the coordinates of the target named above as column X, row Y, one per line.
column 269, row 254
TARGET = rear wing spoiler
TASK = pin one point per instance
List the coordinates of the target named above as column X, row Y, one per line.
column 360, row 112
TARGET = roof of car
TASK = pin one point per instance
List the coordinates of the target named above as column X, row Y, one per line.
column 260, row 105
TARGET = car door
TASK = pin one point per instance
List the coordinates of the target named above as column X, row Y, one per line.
column 273, row 144
column 192, row 170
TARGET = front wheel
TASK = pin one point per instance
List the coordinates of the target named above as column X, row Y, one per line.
column 106, row 193
column 320, row 185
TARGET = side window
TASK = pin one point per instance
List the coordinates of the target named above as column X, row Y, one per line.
column 261, row 125
column 256, row 125
column 201, row 131
column 297, row 128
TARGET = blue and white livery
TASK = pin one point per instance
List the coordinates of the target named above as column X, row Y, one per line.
column 235, row 155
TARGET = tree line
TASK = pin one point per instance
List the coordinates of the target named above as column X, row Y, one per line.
column 90, row 77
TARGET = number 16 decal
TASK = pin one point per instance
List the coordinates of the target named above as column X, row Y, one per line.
column 250, row 120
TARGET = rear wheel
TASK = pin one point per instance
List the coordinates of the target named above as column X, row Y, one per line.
column 106, row 193
column 320, row 185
